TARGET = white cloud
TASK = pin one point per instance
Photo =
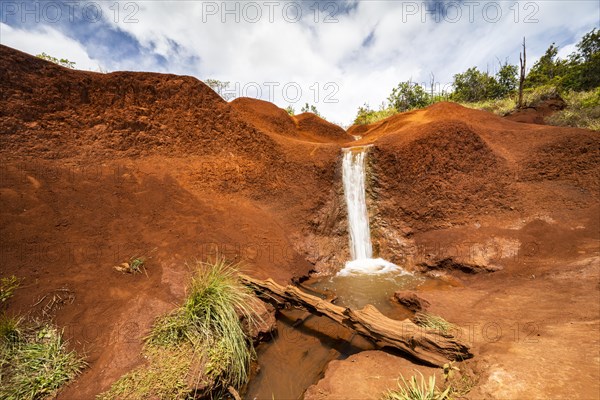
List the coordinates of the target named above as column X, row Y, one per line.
column 45, row 39
column 405, row 43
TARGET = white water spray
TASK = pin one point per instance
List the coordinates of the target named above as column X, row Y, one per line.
column 353, row 173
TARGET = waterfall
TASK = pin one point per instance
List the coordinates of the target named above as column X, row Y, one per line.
column 353, row 172
column 353, row 175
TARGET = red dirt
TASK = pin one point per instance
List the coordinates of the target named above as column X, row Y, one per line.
column 96, row 168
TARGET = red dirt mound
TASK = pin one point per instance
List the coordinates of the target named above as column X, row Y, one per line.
column 65, row 112
column 267, row 117
column 313, row 126
column 536, row 113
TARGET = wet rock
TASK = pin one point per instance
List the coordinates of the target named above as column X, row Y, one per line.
column 450, row 264
column 410, row 300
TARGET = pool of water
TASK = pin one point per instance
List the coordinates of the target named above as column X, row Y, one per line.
column 356, row 291
column 296, row 358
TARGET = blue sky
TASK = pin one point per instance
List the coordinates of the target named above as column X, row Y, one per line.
column 334, row 54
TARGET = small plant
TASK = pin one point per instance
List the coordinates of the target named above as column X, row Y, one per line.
column 135, row 265
column 10, row 329
column 434, row 322
column 8, row 285
column 63, row 62
column 449, row 370
column 36, row 363
column 413, row 390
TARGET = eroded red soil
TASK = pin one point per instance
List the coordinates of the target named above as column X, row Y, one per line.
column 97, row 168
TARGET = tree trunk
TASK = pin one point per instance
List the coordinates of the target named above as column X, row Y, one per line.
column 428, row 346
column 522, row 62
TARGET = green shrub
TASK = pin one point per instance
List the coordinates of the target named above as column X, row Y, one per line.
column 366, row 115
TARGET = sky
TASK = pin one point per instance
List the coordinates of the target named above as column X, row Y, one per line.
column 336, row 55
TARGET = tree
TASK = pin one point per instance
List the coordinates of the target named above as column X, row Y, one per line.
column 220, row 87
column 310, row 108
column 584, row 65
column 522, row 65
column 548, row 70
column 408, row 95
column 62, row 62
column 290, row 110
column 474, row 85
column 507, row 79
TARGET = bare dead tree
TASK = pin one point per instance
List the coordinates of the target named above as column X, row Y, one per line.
column 522, row 62
column 432, row 83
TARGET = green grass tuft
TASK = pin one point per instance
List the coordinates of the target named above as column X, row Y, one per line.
column 210, row 320
column 36, row 363
column 8, row 285
column 497, row 106
column 10, row 329
column 414, row 390
column 434, row 322
column 199, row 345
column 164, row 376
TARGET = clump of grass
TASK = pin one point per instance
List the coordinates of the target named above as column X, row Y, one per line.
column 201, row 343
column 8, row 285
column 497, row 106
column 434, row 322
column 582, row 111
column 35, row 363
column 10, row 329
column 210, row 319
column 164, row 376
column 417, row 390
column 533, row 96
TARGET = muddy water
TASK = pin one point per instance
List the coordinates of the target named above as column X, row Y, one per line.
column 356, row 291
column 297, row 356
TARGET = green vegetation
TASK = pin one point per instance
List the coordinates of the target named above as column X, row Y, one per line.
column 34, row 361
column 220, row 87
column 8, row 285
column 367, row 116
column 408, row 95
column 434, row 322
column 135, row 265
column 413, row 390
column 163, row 377
column 204, row 337
column 583, row 110
column 549, row 77
column 310, row 108
column 290, row 110
column 63, row 62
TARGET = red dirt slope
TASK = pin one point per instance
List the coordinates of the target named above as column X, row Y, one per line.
column 267, row 117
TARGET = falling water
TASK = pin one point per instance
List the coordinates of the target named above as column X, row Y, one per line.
column 353, row 172
column 354, row 191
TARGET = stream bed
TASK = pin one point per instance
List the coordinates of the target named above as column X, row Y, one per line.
column 298, row 355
